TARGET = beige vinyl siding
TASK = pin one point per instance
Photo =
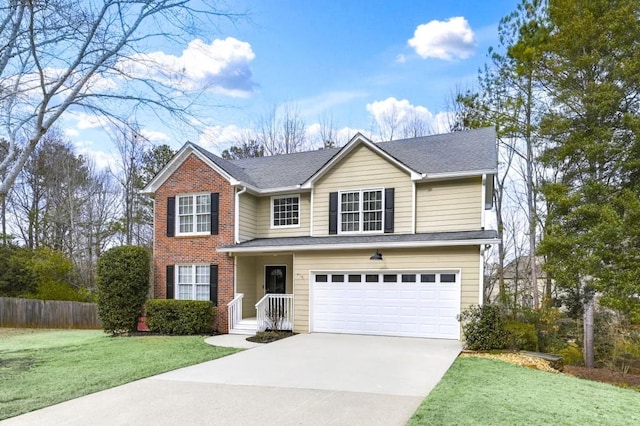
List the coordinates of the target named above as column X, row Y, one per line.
column 263, row 219
column 246, row 284
column 247, row 217
column 363, row 169
column 449, row 205
column 465, row 258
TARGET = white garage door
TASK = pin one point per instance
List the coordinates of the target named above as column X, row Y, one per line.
column 413, row 304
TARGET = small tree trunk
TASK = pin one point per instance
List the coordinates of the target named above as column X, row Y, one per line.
column 588, row 333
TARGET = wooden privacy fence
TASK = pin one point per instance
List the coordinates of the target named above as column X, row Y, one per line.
column 34, row 313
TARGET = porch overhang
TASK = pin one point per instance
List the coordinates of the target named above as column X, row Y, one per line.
column 341, row 242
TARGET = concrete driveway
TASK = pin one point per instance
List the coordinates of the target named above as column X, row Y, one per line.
column 308, row 379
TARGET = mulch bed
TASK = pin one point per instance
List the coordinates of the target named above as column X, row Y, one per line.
column 604, row 375
column 269, row 336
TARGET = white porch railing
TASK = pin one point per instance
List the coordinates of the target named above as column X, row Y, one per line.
column 275, row 312
column 234, row 311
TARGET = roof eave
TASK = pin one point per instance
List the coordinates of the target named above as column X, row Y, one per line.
column 367, row 245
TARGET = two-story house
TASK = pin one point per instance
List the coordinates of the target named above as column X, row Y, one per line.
column 372, row 238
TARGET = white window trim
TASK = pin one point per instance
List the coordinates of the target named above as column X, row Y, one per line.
column 361, row 215
column 194, row 214
column 176, row 280
column 279, row 197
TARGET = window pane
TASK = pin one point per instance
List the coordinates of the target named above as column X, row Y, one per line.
column 321, row 278
column 447, row 278
column 185, row 205
column 202, row 292
column 355, row 278
column 186, row 223
column 286, row 211
column 370, row 278
column 408, row 278
column 337, row 278
column 372, row 210
column 202, row 274
column 388, row 278
column 427, row 278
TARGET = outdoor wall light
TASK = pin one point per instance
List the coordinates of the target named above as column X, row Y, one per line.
column 376, row 256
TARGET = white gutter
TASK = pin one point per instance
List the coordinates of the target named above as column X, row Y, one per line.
column 455, row 175
column 481, row 286
column 236, row 224
column 348, row 246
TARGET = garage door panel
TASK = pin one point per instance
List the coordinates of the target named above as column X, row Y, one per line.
column 415, row 309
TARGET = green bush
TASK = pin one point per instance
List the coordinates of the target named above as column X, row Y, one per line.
column 180, row 316
column 522, row 336
column 571, row 354
column 123, row 284
column 484, row 328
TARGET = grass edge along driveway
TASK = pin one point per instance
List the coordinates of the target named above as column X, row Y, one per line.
column 490, row 392
column 39, row 368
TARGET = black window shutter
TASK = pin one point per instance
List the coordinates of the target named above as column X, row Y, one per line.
column 171, row 216
column 333, row 213
column 213, row 284
column 215, row 215
column 170, row 276
column 388, row 210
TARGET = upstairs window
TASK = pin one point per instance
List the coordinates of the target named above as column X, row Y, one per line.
column 194, row 214
column 361, row 211
column 285, row 211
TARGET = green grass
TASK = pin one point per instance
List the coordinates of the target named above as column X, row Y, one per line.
column 39, row 368
column 478, row 391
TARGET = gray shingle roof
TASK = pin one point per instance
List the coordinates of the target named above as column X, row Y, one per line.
column 468, row 151
column 351, row 240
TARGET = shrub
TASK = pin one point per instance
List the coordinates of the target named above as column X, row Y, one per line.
column 522, row 336
column 484, row 328
column 180, row 316
column 123, row 284
column 571, row 354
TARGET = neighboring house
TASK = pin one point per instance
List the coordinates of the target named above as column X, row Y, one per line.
column 517, row 280
column 372, row 238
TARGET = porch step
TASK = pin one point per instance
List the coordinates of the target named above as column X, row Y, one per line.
column 246, row 326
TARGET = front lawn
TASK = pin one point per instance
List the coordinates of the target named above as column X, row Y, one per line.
column 39, row 368
column 478, row 391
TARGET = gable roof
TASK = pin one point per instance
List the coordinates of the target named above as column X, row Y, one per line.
column 471, row 152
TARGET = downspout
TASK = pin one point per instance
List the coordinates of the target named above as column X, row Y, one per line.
column 237, row 215
column 413, row 208
column 483, row 200
column 311, row 213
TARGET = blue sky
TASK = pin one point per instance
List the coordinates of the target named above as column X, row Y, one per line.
column 348, row 60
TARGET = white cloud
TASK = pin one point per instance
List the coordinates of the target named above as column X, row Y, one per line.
column 341, row 136
column 399, row 118
column 218, row 138
column 401, row 59
column 446, row 40
column 103, row 160
column 86, row 121
column 221, row 67
column 155, row 136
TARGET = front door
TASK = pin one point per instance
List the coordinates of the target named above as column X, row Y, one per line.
column 275, row 279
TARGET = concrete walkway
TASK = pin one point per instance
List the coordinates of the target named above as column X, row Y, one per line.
column 309, row 379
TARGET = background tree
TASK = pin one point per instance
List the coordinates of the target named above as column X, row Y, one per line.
column 63, row 55
column 249, row 149
column 590, row 66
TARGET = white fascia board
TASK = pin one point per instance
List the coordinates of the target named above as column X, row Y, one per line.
column 454, row 175
column 373, row 245
column 176, row 162
column 272, row 191
column 350, row 146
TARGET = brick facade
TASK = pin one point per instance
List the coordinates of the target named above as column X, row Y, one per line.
column 193, row 175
